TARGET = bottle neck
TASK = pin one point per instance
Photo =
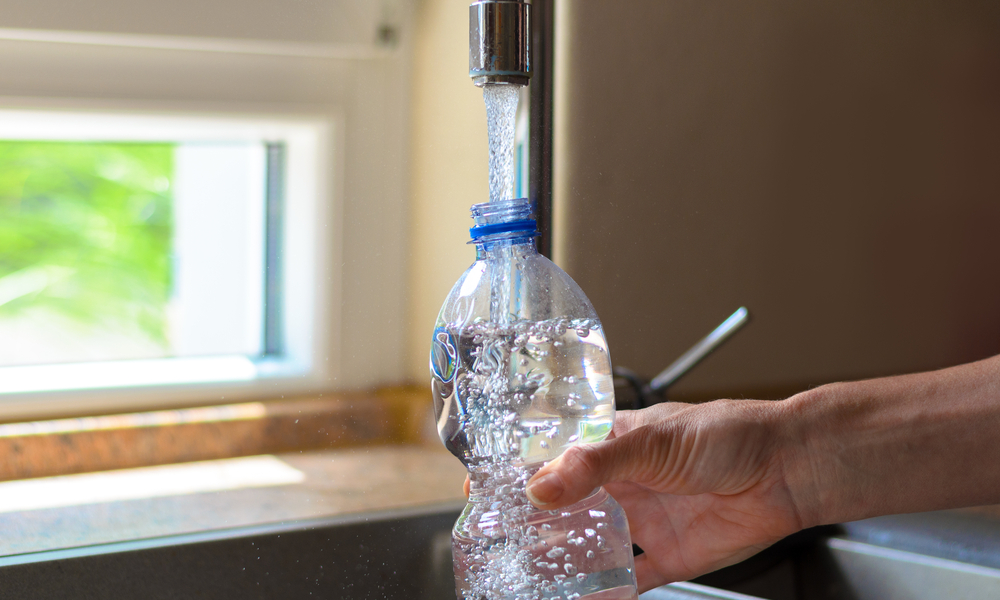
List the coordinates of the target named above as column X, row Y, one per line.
column 502, row 224
column 520, row 245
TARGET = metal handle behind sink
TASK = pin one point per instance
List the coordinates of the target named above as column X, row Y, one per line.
column 654, row 391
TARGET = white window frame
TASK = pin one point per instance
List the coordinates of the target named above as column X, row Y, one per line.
column 305, row 143
column 344, row 230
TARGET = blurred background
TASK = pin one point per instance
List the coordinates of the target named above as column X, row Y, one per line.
column 831, row 166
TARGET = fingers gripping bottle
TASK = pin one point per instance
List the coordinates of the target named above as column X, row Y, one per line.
column 520, row 372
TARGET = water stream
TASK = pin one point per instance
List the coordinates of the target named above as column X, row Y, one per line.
column 501, row 108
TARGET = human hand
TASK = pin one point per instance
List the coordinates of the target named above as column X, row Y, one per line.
column 704, row 486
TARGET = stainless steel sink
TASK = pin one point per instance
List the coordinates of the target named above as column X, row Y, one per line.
column 841, row 569
column 851, row 570
column 693, row 591
column 931, row 556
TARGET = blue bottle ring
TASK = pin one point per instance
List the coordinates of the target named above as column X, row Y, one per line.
column 527, row 226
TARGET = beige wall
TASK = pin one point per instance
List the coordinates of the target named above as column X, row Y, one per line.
column 832, row 165
column 449, row 168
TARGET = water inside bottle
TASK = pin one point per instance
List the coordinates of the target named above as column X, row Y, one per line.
column 524, row 391
column 505, row 549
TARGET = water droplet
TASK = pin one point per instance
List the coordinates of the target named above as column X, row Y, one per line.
column 570, row 569
column 598, row 514
column 581, row 576
column 590, row 554
column 590, row 532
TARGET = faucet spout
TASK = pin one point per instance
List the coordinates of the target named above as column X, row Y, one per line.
column 500, row 42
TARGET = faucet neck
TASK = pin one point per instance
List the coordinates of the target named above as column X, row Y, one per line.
column 500, row 42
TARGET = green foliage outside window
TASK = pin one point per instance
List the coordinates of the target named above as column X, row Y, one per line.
column 85, row 233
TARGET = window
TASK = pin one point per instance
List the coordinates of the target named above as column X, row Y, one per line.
column 244, row 230
column 135, row 238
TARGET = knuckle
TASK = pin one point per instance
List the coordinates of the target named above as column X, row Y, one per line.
column 583, row 461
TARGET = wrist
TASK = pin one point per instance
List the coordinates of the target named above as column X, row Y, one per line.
column 806, row 457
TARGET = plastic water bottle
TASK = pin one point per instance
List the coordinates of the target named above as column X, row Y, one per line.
column 520, row 371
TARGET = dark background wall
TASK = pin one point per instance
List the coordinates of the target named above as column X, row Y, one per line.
column 832, row 165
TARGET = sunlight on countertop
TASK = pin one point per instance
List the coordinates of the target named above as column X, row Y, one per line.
column 146, row 482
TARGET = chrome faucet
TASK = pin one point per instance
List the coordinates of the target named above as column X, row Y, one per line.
column 500, row 42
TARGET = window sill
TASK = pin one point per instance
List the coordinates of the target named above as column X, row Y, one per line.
column 101, row 443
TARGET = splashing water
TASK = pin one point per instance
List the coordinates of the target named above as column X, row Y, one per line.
column 501, row 107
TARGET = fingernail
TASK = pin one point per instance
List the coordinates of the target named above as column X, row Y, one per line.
column 546, row 489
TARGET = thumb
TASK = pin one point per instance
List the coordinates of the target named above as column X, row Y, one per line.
column 581, row 469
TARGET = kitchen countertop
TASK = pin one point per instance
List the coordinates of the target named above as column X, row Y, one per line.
column 337, row 482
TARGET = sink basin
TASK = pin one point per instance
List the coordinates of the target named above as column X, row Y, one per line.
column 930, row 556
column 842, row 569
column 859, row 571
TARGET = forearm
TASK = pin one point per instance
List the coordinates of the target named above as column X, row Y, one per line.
column 912, row 443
